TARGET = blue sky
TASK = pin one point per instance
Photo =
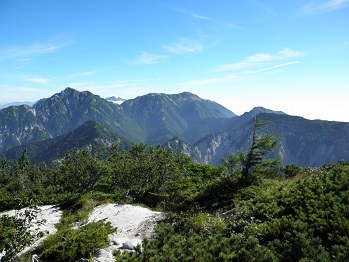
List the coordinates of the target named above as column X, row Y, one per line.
column 284, row 55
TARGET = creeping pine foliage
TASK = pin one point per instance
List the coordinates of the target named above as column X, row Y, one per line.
column 250, row 208
column 15, row 231
column 72, row 244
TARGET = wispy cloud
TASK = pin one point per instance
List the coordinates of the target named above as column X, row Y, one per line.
column 272, row 67
column 145, row 58
column 22, row 55
column 259, row 60
column 184, row 46
column 224, row 79
column 22, row 62
column 38, row 80
column 34, row 49
column 206, row 18
column 318, row 7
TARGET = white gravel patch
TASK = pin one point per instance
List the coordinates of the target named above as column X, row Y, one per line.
column 49, row 213
column 133, row 224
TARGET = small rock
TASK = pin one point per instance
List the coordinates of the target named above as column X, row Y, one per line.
column 130, row 244
column 103, row 256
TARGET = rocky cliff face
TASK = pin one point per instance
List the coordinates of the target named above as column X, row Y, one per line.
column 302, row 142
column 304, row 152
column 19, row 125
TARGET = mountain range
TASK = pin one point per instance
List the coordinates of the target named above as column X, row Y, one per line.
column 200, row 128
column 116, row 100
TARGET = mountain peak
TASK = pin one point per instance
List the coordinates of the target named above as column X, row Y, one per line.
column 259, row 110
column 189, row 96
column 69, row 89
column 72, row 92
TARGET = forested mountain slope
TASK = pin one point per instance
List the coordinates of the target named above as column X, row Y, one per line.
column 164, row 116
column 91, row 135
column 153, row 118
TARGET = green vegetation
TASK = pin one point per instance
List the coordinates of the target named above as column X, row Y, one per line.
column 248, row 209
column 15, row 232
column 78, row 243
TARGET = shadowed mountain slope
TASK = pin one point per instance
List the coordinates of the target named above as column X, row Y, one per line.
column 91, row 135
column 302, row 142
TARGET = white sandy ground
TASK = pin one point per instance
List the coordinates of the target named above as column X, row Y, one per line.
column 133, row 224
column 50, row 214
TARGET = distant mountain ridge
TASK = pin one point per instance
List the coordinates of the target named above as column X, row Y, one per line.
column 302, row 142
column 116, row 100
column 202, row 129
column 166, row 116
column 152, row 118
column 16, row 104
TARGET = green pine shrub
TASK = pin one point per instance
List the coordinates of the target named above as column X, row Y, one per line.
column 73, row 244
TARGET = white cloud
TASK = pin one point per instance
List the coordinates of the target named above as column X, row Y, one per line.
column 272, row 67
column 23, row 54
column 318, row 7
column 288, row 53
column 282, row 54
column 146, row 59
column 206, row 18
column 184, row 46
column 34, row 49
column 260, row 60
column 38, row 80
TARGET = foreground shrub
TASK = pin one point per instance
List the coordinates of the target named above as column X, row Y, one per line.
column 15, row 233
column 73, row 244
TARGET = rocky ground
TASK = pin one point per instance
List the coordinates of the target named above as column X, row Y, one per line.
column 133, row 223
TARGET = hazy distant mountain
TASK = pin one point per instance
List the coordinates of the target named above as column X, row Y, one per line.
column 209, row 126
column 16, row 104
column 116, row 100
column 310, row 142
column 303, row 142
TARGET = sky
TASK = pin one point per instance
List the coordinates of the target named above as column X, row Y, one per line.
column 290, row 56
